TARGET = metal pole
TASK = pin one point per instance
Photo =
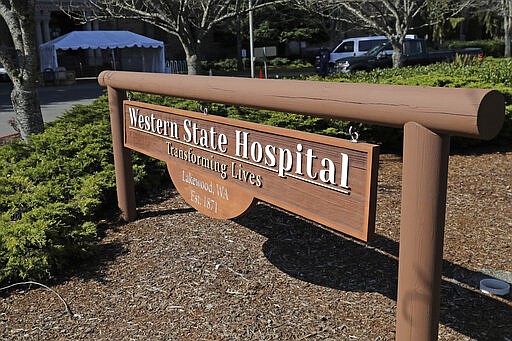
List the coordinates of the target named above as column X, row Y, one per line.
column 425, row 173
column 122, row 157
column 251, row 40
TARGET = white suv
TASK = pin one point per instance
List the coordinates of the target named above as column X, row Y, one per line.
column 355, row 47
column 352, row 47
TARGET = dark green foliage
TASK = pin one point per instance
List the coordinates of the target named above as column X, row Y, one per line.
column 280, row 23
column 491, row 48
column 53, row 191
column 229, row 64
column 279, row 61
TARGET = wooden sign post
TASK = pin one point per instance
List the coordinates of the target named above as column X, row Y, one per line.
column 429, row 117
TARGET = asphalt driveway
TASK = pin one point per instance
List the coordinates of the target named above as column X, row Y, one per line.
column 55, row 100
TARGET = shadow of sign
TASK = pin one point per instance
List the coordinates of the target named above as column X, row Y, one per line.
column 310, row 254
column 429, row 117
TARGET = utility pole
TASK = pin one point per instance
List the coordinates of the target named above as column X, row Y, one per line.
column 251, row 40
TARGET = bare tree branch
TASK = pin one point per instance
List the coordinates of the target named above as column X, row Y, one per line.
column 391, row 18
column 188, row 20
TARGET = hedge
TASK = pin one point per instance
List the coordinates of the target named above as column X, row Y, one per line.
column 491, row 48
column 53, row 192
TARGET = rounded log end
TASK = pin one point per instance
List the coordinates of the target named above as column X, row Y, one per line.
column 102, row 77
column 491, row 115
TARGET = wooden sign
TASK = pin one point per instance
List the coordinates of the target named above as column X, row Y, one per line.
column 221, row 166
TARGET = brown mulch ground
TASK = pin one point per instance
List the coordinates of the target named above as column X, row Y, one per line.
column 177, row 275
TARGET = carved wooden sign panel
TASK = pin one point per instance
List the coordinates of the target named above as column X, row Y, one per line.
column 222, row 166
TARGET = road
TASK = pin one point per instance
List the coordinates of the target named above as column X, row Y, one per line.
column 55, row 100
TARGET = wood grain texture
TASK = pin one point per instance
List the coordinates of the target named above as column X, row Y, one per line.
column 222, row 182
column 464, row 112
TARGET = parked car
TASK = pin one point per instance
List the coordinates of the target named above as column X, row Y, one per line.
column 415, row 52
column 358, row 46
column 355, row 47
column 3, row 74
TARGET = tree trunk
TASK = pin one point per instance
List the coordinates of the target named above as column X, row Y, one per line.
column 191, row 49
column 25, row 102
column 397, row 58
column 239, row 62
column 22, row 66
column 193, row 63
column 507, row 42
column 507, row 26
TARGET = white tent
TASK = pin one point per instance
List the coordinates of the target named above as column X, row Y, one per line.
column 146, row 55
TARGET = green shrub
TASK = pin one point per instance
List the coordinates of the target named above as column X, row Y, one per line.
column 53, row 191
column 299, row 63
column 279, row 61
column 229, row 64
column 493, row 48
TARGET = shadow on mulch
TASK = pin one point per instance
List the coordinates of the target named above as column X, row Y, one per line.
column 99, row 256
column 152, row 214
column 311, row 254
column 504, row 147
column 304, row 251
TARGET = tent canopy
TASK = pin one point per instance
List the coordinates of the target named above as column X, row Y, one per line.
column 148, row 51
